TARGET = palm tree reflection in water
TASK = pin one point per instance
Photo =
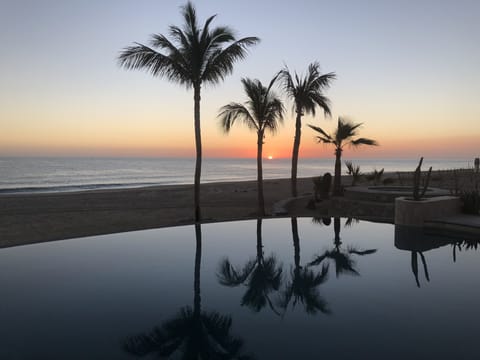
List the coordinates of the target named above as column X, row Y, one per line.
column 192, row 333
column 342, row 258
column 304, row 283
column 262, row 277
column 463, row 245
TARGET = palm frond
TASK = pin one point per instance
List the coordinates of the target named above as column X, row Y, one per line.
column 355, row 251
column 192, row 55
column 206, row 29
column 318, row 259
column 345, row 130
column 364, row 141
column 287, row 82
column 321, row 131
column 306, row 90
column 190, row 18
column 262, row 111
column 221, row 61
column 227, row 275
column 229, row 113
column 321, row 101
column 145, row 58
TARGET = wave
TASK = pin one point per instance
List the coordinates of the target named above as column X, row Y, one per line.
column 74, row 188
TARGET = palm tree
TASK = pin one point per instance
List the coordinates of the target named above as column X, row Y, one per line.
column 262, row 112
column 342, row 259
column 304, row 283
column 194, row 333
column 306, row 94
column 343, row 135
column 192, row 57
column 261, row 275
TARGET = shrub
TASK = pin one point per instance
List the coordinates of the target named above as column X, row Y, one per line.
column 353, row 170
column 471, row 202
column 375, row 176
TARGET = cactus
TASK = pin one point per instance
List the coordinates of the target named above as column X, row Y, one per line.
column 417, row 193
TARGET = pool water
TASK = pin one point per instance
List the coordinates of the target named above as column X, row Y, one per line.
column 271, row 289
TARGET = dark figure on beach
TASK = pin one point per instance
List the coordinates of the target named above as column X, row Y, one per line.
column 477, row 164
column 322, row 187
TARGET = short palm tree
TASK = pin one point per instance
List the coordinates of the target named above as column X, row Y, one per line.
column 262, row 276
column 262, row 112
column 192, row 57
column 307, row 94
column 344, row 135
column 304, row 283
column 344, row 263
column 192, row 333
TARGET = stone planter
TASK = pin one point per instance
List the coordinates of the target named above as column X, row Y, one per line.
column 414, row 213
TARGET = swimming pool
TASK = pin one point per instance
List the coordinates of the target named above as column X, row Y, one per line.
column 271, row 289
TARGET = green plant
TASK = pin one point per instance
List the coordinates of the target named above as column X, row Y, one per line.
column 263, row 112
column 417, row 179
column 388, row 181
column 193, row 57
column 471, row 202
column 306, row 93
column 375, row 176
column 344, row 134
column 354, row 171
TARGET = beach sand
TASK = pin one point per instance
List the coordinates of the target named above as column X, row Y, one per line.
column 32, row 218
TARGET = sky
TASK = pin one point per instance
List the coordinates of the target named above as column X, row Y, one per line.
column 408, row 70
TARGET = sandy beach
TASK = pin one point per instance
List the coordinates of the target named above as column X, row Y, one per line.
column 31, row 218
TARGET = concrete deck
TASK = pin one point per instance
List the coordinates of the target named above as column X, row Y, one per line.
column 461, row 224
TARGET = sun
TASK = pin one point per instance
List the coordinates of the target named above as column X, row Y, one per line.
column 269, row 157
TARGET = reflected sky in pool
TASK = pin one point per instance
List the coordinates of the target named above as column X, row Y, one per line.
column 271, row 289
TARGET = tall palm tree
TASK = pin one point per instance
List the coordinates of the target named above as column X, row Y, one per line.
column 344, row 135
column 192, row 57
column 262, row 276
column 342, row 259
column 263, row 111
column 193, row 333
column 304, row 283
column 307, row 94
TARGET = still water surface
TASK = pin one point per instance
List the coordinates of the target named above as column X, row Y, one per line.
column 277, row 289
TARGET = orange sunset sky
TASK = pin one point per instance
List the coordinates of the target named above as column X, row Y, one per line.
column 407, row 70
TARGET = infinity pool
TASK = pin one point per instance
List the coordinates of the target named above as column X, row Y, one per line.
column 271, row 289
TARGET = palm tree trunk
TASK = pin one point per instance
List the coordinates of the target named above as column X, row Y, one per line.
column 196, row 282
column 296, row 148
column 261, row 201
column 336, row 230
column 198, row 147
column 259, row 241
column 337, row 182
column 296, row 242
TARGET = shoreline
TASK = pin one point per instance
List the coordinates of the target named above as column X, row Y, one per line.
column 32, row 218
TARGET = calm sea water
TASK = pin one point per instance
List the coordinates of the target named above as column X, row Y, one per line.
column 73, row 174
column 277, row 289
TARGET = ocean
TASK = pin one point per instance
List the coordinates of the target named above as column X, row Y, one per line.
column 49, row 174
